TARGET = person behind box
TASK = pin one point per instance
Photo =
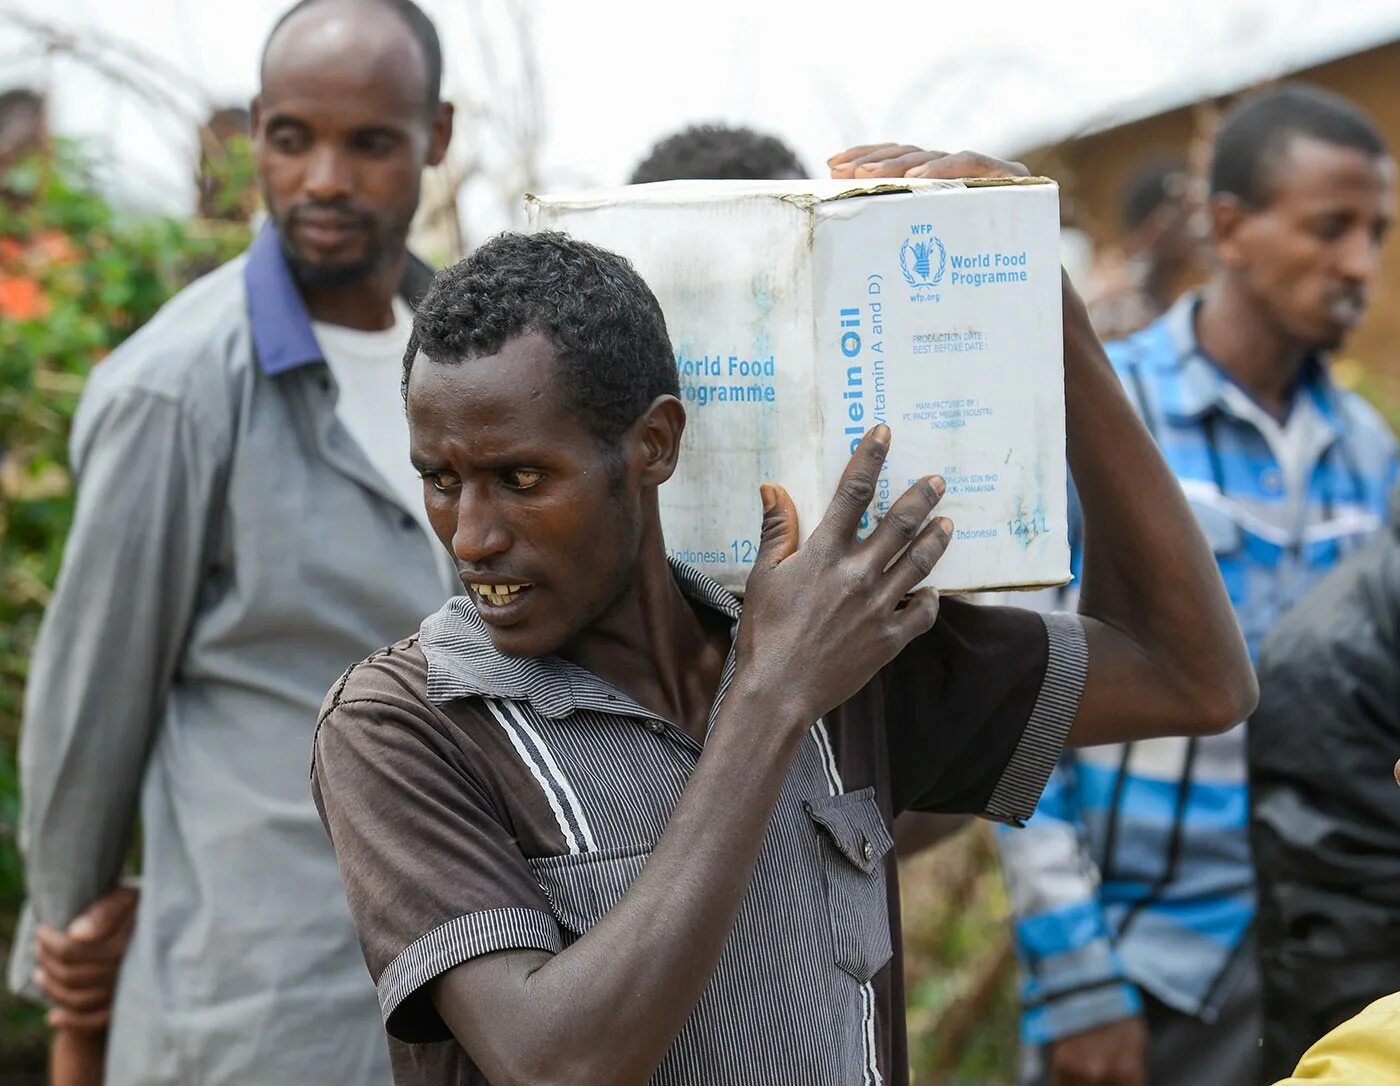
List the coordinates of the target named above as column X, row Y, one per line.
column 247, row 525
column 1132, row 887
column 1136, row 281
column 1325, row 825
column 709, row 152
column 598, row 821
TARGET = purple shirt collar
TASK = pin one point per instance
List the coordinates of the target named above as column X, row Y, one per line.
column 282, row 336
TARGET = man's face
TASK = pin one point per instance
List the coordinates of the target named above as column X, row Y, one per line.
column 1310, row 255
column 342, row 133
column 545, row 525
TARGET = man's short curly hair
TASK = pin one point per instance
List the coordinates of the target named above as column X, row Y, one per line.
column 1256, row 134
column 708, row 152
column 613, row 352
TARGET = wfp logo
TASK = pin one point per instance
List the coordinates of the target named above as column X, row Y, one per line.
column 917, row 258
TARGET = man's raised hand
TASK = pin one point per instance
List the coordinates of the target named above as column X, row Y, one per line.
column 840, row 608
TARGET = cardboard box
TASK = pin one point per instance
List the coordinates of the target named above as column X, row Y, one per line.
column 803, row 313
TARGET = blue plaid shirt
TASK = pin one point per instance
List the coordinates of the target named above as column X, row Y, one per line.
column 1135, row 872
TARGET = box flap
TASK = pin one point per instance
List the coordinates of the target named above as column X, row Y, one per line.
column 804, row 193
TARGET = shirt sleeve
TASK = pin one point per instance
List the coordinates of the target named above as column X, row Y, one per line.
column 433, row 875
column 109, row 646
column 978, row 709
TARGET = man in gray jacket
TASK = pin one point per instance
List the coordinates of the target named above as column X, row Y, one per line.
column 247, row 525
column 1325, row 824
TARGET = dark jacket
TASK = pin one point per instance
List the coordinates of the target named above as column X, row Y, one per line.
column 1325, row 820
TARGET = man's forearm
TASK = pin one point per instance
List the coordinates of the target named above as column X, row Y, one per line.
column 606, row 1009
column 1159, row 621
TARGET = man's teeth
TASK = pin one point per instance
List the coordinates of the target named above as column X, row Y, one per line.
column 498, row 594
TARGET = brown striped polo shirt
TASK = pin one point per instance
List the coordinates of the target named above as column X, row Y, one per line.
column 479, row 802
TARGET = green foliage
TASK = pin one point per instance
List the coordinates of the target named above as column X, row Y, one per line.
column 76, row 278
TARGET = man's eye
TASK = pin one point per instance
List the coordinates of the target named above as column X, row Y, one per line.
column 289, row 142
column 1332, row 228
column 441, row 480
column 376, row 144
column 521, row 478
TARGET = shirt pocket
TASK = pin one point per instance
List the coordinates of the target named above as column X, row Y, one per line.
column 582, row 887
column 854, row 842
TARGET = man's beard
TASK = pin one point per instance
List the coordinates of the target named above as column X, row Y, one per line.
column 308, row 273
column 315, row 274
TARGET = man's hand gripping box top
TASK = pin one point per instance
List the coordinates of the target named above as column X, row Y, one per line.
column 804, row 313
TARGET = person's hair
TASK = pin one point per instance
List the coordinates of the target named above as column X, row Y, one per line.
column 1255, row 135
column 1153, row 183
column 716, row 152
column 419, row 25
column 613, row 355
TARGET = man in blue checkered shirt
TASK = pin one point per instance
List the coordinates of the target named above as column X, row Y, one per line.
column 1132, row 885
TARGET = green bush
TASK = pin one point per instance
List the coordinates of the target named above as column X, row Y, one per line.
column 76, row 278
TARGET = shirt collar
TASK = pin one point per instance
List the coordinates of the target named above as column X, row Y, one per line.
column 463, row 662
column 282, row 335
column 1199, row 384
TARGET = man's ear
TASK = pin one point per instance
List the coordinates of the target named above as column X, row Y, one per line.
column 657, row 438
column 255, row 120
column 441, row 134
column 1229, row 215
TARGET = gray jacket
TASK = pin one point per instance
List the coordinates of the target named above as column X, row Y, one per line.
column 232, row 552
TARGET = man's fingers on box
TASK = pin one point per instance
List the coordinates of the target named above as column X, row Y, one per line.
column 923, row 555
column 906, row 516
column 884, row 161
column 968, row 164
column 856, row 489
column 779, row 534
column 898, row 166
column 846, row 160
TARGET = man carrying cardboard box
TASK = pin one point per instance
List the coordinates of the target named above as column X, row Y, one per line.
column 594, row 825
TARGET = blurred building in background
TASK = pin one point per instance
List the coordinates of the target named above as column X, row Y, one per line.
column 1095, row 169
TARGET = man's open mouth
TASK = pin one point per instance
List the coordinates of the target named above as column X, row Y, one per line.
column 498, row 595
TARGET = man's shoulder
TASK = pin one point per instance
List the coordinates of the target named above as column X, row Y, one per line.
column 396, row 676
column 1144, row 351
column 379, row 711
column 198, row 336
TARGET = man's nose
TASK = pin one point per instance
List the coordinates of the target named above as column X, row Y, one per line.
column 328, row 175
column 480, row 535
column 1361, row 257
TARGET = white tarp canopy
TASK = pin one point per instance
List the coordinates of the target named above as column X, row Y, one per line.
column 574, row 91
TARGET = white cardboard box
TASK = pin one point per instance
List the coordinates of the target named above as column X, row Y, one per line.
column 803, row 313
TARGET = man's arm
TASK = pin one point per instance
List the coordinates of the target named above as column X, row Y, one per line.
column 1165, row 652
column 107, row 649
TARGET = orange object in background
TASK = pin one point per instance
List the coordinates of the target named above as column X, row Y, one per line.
column 21, row 298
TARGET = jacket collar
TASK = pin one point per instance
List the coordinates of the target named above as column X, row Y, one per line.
column 283, row 338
